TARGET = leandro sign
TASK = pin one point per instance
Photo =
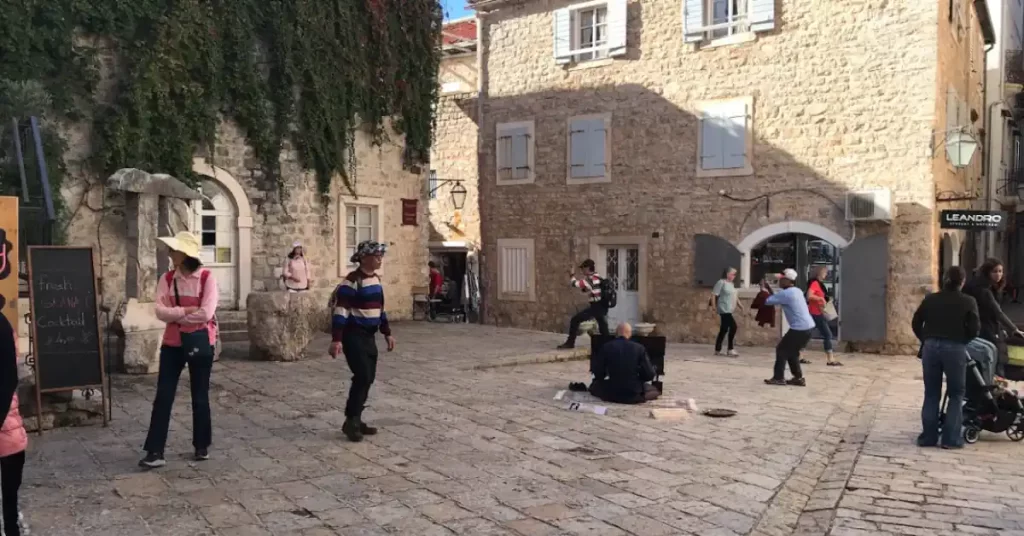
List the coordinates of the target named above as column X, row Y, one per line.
column 973, row 220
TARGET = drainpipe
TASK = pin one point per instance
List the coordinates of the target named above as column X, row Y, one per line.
column 481, row 93
column 986, row 163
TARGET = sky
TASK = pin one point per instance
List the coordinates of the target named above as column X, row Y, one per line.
column 455, row 9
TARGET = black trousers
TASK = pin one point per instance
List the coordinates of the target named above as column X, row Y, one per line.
column 361, row 354
column 595, row 311
column 727, row 326
column 11, row 469
column 172, row 362
column 788, row 351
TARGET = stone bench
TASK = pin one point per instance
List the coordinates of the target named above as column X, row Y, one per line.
column 282, row 323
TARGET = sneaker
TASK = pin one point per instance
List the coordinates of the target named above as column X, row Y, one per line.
column 774, row 381
column 799, row 382
column 718, row 352
column 567, row 346
column 366, row 429
column 732, row 353
column 805, row 361
column 202, row 455
column 352, row 431
column 153, row 460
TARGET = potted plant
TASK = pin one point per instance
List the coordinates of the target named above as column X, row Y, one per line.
column 646, row 327
column 587, row 327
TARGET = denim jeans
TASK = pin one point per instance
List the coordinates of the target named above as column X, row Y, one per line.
column 941, row 357
column 172, row 361
column 826, row 332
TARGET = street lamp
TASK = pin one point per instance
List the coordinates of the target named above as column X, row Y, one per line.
column 458, row 192
column 960, row 148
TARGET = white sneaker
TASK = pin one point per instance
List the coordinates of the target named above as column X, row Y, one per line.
column 733, row 353
column 718, row 352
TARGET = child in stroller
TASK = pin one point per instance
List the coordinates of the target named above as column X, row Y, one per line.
column 988, row 407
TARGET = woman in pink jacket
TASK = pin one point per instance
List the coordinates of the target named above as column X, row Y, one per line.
column 186, row 299
column 13, row 439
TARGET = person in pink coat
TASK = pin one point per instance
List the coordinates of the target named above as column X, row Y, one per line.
column 13, row 439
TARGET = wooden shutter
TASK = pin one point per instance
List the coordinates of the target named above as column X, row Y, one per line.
column 617, row 25
column 762, row 15
column 712, row 135
column 578, row 139
column 734, row 135
column 864, row 281
column 563, row 36
column 503, row 152
column 711, row 256
column 597, row 142
column 693, row 20
column 515, row 269
column 520, row 160
column 587, row 141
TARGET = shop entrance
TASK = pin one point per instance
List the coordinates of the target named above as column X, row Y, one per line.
column 804, row 253
column 452, row 265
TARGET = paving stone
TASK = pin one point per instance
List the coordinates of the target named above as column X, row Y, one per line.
column 638, row 524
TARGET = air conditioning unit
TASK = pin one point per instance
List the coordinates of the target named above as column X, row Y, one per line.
column 869, row 205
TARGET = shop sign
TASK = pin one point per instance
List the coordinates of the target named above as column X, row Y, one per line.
column 973, row 220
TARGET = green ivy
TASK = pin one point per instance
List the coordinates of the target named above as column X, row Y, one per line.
column 306, row 71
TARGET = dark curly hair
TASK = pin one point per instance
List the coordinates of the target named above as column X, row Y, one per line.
column 986, row 269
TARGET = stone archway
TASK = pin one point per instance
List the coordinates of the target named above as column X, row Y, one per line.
column 237, row 193
column 768, row 231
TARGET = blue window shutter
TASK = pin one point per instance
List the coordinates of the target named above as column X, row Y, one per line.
column 578, row 139
column 520, row 152
column 863, row 289
column 563, row 36
column 734, row 136
column 693, row 20
column 711, row 142
column 598, row 142
column 618, row 21
column 762, row 15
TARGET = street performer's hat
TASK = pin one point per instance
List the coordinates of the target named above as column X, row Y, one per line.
column 789, row 274
column 368, row 247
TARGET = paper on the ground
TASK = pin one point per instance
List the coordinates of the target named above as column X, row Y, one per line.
column 588, row 408
column 560, row 395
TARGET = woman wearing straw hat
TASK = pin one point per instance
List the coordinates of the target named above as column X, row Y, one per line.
column 186, row 299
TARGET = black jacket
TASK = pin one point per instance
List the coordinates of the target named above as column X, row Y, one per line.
column 8, row 366
column 627, row 367
column 993, row 319
column 949, row 315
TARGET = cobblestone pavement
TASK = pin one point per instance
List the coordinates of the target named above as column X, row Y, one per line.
column 469, row 447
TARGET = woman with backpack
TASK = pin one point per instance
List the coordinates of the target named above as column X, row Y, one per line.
column 13, row 439
column 186, row 299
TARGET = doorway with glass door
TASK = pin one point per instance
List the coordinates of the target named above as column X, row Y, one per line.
column 621, row 265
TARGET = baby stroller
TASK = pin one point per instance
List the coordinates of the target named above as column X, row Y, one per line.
column 987, row 407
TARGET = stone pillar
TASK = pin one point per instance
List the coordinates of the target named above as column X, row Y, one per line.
column 131, row 269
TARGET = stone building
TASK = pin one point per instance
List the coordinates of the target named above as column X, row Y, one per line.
column 454, row 239
column 670, row 140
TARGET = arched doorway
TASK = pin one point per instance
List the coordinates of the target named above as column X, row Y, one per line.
column 223, row 223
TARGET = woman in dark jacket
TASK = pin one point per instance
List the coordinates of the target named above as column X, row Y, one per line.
column 985, row 288
column 945, row 322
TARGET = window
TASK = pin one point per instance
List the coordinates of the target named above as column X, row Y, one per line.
column 432, row 184
column 516, row 270
column 724, row 141
column 515, row 153
column 216, row 225
column 588, row 149
column 590, row 31
column 359, row 219
column 717, row 20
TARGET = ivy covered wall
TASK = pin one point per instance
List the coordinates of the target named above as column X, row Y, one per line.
column 305, row 71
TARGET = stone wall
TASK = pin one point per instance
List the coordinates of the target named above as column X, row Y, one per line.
column 460, row 68
column 841, row 102
column 453, row 156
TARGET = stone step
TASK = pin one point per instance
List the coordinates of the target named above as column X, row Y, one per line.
column 234, row 336
column 232, row 325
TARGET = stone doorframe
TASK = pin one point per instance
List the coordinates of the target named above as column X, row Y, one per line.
column 241, row 200
column 755, row 238
column 641, row 244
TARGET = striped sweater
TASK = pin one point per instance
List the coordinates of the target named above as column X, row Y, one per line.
column 359, row 305
column 590, row 284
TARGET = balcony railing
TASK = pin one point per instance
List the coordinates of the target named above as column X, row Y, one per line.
column 1012, row 184
column 1014, row 67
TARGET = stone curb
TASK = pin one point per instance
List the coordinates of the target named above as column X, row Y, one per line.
column 554, row 356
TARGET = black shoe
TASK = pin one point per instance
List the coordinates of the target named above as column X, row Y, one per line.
column 774, row 381
column 352, row 431
column 805, row 361
column 202, row 455
column 367, row 430
column 153, row 460
column 567, row 346
column 799, row 382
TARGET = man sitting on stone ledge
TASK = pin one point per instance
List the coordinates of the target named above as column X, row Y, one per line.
column 622, row 371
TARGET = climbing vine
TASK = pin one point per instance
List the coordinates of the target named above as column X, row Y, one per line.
column 305, row 72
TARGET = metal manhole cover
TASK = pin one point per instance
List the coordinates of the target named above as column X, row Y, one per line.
column 719, row 412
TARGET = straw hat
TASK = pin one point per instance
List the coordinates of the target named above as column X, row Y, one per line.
column 184, row 242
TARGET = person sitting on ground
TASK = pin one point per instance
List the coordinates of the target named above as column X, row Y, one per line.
column 622, row 371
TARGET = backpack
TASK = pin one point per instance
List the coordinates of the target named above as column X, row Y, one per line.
column 609, row 294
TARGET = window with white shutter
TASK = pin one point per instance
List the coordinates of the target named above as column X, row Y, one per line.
column 516, row 279
column 726, row 20
column 725, row 139
column 588, row 149
column 590, row 31
column 515, row 153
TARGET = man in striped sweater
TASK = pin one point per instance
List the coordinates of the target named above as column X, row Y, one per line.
column 589, row 284
column 358, row 316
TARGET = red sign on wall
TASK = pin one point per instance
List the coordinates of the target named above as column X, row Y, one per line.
column 410, row 208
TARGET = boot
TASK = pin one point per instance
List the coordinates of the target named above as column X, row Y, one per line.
column 352, row 429
column 366, row 429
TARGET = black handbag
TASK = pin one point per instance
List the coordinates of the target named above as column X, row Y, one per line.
column 195, row 343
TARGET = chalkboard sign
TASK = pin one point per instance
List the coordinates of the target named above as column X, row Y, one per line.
column 65, row 327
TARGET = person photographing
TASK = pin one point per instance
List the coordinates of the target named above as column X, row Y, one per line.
column 801, row 326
